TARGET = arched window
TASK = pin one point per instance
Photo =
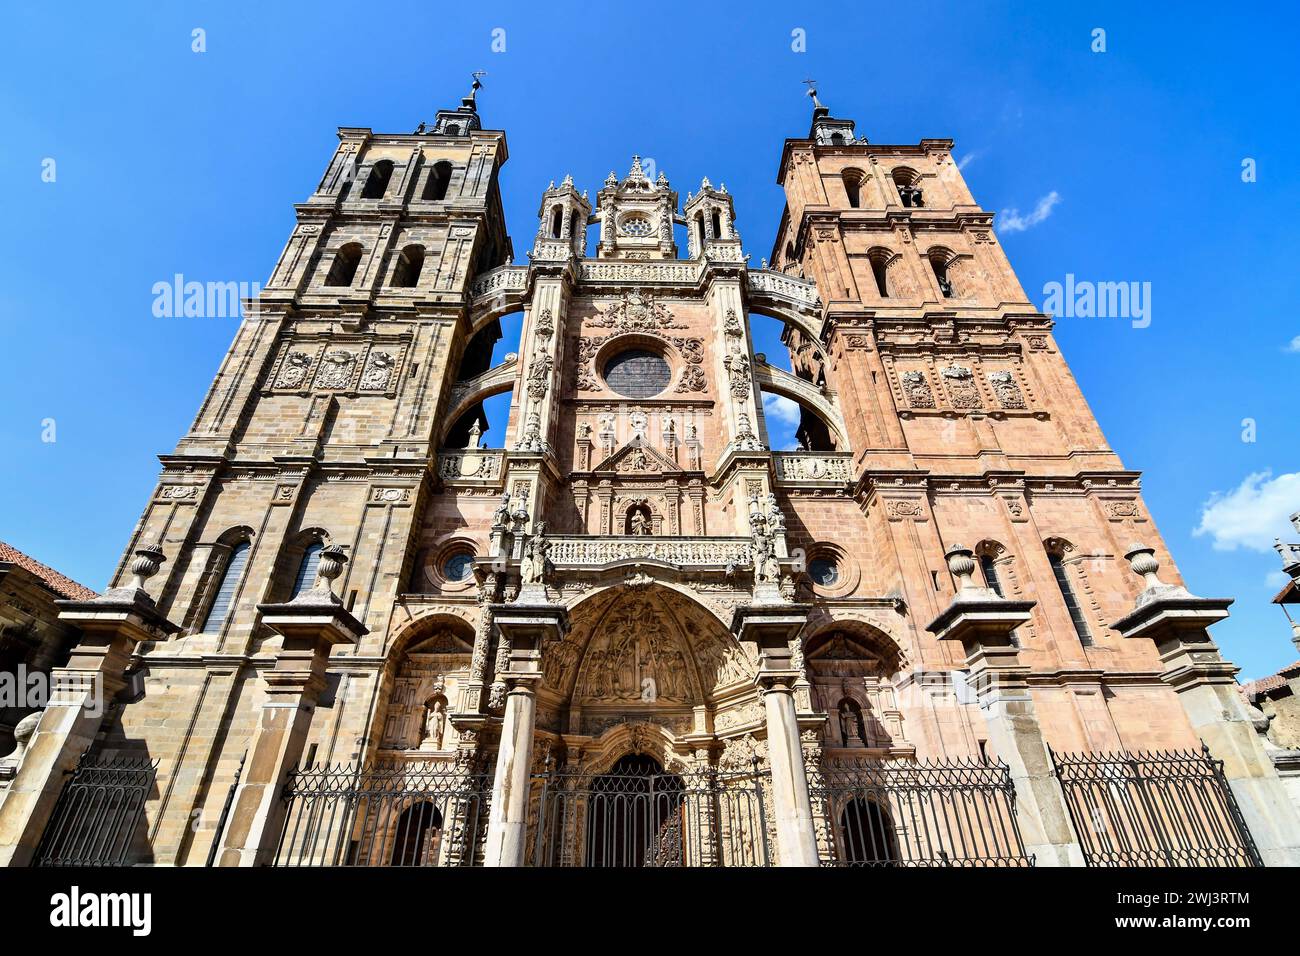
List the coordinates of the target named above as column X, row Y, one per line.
column 880, row 270
column 717, row 225
column 576, row 227
column 406, row 274
column 1056, row 557
column 452, row 129
column 837, row 139
column 306, row 578
column 435, row 188
column 909, row 190
column 939, row 263
column 987, row 554
column 344, row 268
column 853, row 187
column 701, row 231
column 225, row 596
column 377, row 181
column 557, row 222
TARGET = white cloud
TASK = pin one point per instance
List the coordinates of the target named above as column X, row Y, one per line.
column 969, row 158
column 1253, row 513
column 1294, row 345
column 1010, row 220
column 781, row 408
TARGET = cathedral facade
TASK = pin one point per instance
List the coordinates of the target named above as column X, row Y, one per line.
column 636, row 633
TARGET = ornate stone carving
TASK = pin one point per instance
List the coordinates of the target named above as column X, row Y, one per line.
column 539, row 375
column 916, row 387
column 811, row 466
column 635, row 657
column 378, row 371
column 294, row 371
column 336, row 369
column 1005, row 388
column 637, row 313
column 961, row 387
column 742, row 378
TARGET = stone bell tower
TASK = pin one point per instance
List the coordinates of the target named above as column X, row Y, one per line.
column 637, row 216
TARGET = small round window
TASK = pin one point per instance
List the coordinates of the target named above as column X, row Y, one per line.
column 636, row 226
column 824, row 571
column 458, row 567
column 637, row 373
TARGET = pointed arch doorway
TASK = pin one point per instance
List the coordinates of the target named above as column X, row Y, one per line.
column 635, row 815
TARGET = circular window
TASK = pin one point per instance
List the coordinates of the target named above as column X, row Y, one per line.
column 638, row 373
column 636, row 226
column 824, row 571
column 458, row 567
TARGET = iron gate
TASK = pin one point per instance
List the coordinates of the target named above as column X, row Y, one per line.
column 406, row 814
column 916, row 814
column 1165, row 808
column 638, row 815
column 98, row 812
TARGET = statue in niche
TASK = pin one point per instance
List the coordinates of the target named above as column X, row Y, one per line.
column 638, row 521
column 435, row 722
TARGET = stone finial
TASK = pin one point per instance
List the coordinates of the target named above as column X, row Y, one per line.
column 332, row 559
column 568, row 180
column 961, row 562
column 147, row 561
column 1142, row 560
column 23, row 732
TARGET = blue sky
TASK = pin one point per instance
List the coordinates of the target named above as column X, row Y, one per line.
column 171, row 161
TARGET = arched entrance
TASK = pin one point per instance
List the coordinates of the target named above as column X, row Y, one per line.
column 417, row 835
column 634, row 815
column 867, row 834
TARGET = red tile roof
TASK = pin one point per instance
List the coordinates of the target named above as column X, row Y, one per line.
column 60, row 584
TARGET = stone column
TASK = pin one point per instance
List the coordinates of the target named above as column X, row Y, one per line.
column 525, row 629
column 111, row 626
column 982, row 621
column 1207, row 688
column 772, row 628
column 311, row 624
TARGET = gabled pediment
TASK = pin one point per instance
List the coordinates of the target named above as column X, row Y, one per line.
column 638, row 457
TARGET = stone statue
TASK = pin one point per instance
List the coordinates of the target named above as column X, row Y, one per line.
column 639, row 524
column 501, row 517
column 435, row 721
column 533, row 567
column 767, row 570
column 775, row 520
column 474, row 434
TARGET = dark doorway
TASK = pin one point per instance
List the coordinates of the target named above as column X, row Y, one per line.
column 634, row 815
column 868, row 834
column 416, row 837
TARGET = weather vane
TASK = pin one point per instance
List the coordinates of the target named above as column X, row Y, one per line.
column 812, row 91
column 475, row 86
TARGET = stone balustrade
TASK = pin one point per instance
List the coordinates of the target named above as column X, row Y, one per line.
column 501, row 279
column 812, row 466
column 798, row 291
column 594, row 551
column 468, row 464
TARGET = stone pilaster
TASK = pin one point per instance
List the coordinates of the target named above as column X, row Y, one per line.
column 772, row 628
column 111, row 626
column 311, row 624
column 524, row 629
column 982, row 621
column 1207, row 688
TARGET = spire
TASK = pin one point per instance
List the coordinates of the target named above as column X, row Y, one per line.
column 636, row 172
column 817, row 104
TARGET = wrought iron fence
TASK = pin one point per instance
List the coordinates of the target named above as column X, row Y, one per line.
column 1163, row 808
column 903, row 813
column 98, row 813
column 638, row 815
column 409, row 814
